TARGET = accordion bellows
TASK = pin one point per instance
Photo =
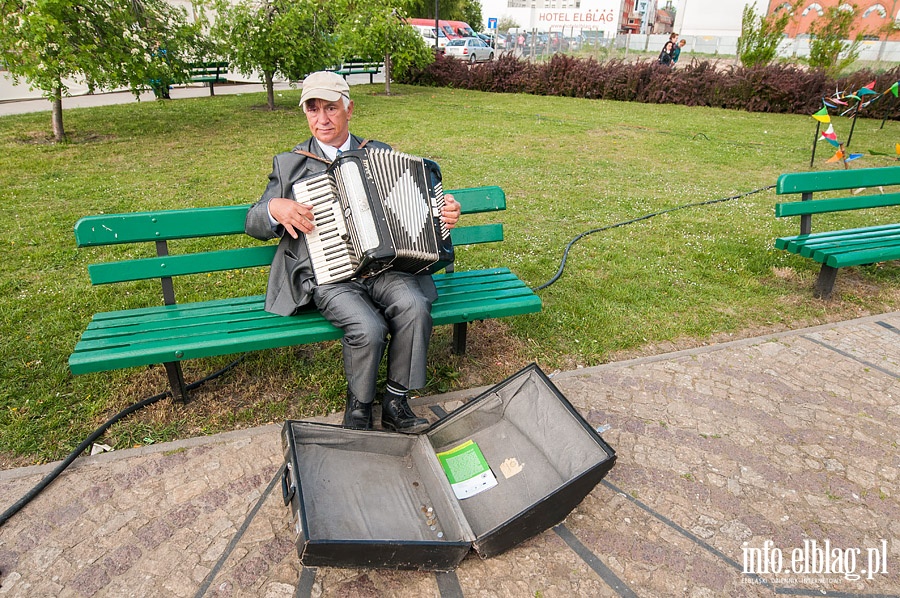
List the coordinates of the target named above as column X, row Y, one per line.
column 374, row 210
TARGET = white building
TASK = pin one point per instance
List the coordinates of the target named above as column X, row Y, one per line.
column 712, row 17
column 557, row 15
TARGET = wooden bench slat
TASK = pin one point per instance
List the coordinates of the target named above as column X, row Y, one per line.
column 161, row 225
column 839, row 204
column 182, row 265
column 834, row 180
column 475, row 234
column 129, row 338
column 888, row 250
column 790, row 243
column 232, row 259
column 834, row 243
column 476, row 200
column 167, row 225
column 169, row 317
column 261, row 331
column 810, row 250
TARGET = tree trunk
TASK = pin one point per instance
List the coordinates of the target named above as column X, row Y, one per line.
column 56, row 116
column 270, row 90
column 387, row 74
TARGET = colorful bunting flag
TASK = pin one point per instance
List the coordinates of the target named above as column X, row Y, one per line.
column 896, row 149
column 829, row 135
column 838, row 156
column 895, row 88
column 842, row 156
column 822, row 115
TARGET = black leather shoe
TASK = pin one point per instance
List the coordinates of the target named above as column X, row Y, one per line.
column 397, row 416
column 357, row 416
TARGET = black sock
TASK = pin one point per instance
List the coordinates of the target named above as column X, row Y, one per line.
column 392, row 389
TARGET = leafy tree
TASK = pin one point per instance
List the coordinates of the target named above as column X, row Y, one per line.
column 374, row 30
column 761, row 35
column 829, row 37
column 105, row 43
column 287, row 38
column 450, row 10
column 472, row 15
column 506, row 23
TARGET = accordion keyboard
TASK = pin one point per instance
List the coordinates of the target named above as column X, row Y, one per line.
column 329, row 249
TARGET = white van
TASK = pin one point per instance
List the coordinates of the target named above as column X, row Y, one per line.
column 426, row 30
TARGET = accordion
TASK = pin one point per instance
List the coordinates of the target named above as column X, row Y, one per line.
column 373, row 210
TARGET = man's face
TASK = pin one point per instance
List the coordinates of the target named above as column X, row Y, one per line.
column 329, row 122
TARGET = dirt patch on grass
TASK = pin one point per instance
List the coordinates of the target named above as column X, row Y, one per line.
column 45, row 138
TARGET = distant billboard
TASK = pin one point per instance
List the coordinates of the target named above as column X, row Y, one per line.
column 558, row 15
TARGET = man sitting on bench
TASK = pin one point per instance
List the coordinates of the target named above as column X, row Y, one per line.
column 367, row 309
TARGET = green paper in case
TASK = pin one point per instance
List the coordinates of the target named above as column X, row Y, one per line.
column 467, row 470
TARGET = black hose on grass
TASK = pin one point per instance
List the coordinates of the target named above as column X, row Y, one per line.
column 562, row 264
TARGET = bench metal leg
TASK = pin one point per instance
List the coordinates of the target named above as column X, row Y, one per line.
column 212, row 90
column 459, row 338
column 825, row 283
column 176, row 381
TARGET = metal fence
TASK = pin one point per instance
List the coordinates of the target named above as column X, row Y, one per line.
column 884, row 51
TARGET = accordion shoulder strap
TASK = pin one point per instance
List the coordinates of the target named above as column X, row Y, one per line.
column 320, row 158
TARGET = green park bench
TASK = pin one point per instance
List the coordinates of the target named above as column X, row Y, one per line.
column 174, row 332
column 209, row 73
column 839, row 248
column 356, row 66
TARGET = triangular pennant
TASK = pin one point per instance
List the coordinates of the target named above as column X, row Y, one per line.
column 865, row 91
column 895, row 89
column 852, row 157
column 837, row 157
column 829, row 133
column 822, row 115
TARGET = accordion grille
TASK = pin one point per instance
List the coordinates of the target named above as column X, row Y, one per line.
column 409, row 210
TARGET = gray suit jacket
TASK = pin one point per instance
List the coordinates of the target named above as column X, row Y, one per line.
column 291, row 280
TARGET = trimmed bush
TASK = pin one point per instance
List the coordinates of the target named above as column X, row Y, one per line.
column 778, row 88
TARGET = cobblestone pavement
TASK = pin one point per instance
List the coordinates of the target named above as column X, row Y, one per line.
column 766, row 448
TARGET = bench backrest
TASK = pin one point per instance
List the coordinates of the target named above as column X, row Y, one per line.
column 807, row 183
column 167, row 225
column 208, row 68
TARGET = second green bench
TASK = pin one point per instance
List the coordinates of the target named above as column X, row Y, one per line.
column 836, row 249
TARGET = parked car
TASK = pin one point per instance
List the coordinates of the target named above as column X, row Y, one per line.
column 469, row 48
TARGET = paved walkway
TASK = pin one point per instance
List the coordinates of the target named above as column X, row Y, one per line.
column 770, row 447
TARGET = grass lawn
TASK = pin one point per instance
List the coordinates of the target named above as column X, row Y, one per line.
column 688, row 277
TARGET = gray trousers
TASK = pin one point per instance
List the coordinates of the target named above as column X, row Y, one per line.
column 394, row 304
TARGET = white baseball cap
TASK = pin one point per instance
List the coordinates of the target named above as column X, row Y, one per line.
column 324, row 85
